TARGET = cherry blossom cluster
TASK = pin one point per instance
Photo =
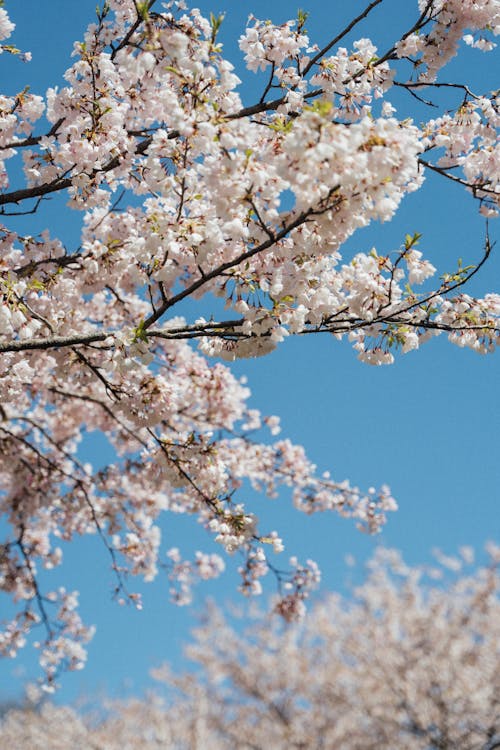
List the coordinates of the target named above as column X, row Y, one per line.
column 447, row 21
column 187, row 194
column 291, row 605
column 265, row 44
column 469, row 140
column 184, row 574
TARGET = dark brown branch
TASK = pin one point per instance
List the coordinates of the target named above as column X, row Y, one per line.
column 256, row 109
column 61, row 262
column 442, row 171
column 33, row 140
column 120, row 587
column 36, row 589
column 269, row 84
column 56, row 342
column 420, row 99
column 435, row 85
column 33, row 210
column 340, row 36
column 53, row 342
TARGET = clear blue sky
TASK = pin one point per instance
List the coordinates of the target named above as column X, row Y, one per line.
column 428, row 425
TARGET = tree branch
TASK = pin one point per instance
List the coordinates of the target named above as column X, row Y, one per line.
column 340, row 36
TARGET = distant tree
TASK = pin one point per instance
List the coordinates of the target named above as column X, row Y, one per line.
column 186, row 193
column 403, row 664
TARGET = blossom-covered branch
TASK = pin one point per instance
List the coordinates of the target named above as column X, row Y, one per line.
column 186, row 193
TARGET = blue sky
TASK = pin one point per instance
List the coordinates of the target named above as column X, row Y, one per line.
column 428, row 425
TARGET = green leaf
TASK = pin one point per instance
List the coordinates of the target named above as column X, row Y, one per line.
column 11, row 49
column 143, row 10
column 323, row 107
column 281, row 125
column 412, row 240
column 101, row 13
column 215, row 23
column 302, row 17
column 36, row 284
column 139, row 333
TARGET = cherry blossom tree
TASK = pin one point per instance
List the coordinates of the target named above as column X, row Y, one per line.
column 406, row 662
column 188, row 194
